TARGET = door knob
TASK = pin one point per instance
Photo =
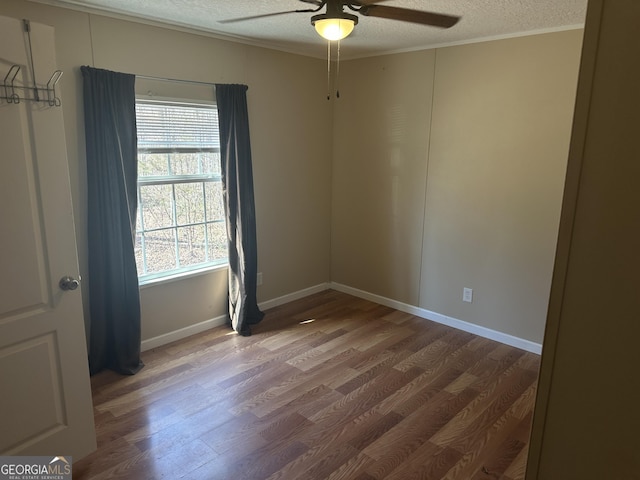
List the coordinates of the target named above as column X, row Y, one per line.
column 68, row 283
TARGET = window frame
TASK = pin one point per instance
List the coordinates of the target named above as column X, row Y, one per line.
column 173, row 180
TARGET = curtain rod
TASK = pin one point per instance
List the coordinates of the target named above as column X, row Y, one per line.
column 175, row 80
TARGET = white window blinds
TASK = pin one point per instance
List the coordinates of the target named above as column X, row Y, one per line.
column 175, row 126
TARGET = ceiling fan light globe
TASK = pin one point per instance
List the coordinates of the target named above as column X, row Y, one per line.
column 334, row 28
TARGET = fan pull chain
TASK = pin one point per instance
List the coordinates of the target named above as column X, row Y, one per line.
column 328, row 70
column 338, row 72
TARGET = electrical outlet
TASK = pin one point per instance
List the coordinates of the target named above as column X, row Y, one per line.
column 259, row 278
column 467, row 294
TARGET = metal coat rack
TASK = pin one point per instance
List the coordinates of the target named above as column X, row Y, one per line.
column 34, row 93
column 9, row 91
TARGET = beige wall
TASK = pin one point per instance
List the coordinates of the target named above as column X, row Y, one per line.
column 435, row 169
column 499, row 144
column 586, row 421
column 381, row 139
column 481, row 132
column 291, row 157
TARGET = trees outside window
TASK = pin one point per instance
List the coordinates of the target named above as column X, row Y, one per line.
column 180, row 223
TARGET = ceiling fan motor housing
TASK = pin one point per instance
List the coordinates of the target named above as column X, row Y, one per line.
column 340, row 15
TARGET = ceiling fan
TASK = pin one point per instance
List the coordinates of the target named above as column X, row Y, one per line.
column 336, row 24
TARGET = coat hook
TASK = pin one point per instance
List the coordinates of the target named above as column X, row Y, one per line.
column 52, row 97
column 9, row 87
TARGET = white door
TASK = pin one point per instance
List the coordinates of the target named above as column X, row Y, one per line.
column 45, row 395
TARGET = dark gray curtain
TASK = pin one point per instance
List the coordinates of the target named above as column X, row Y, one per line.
column 237, row 181
column 110, row 129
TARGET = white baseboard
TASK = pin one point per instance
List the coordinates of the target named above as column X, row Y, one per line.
column 443, row 319
column 221, row 320
column 294, row 296
column 182, row 333
column 403, row 307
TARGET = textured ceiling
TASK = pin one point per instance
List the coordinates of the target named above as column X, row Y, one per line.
column 481, row 19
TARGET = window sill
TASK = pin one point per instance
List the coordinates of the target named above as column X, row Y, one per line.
column 181, row 276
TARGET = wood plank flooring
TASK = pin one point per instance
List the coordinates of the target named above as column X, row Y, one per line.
column 327, row 387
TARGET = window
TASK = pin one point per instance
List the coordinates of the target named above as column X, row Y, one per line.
column 180, row 225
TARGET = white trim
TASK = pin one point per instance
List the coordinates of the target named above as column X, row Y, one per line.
column 294, row 296
column 182, row 275
column 501, row 337
column 222, row 320
column 403, row 307
column 472, row 41
column 182, row 333
column 274, row 45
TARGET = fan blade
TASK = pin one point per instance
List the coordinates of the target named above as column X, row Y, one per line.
column 264, row 15
column 407, row 15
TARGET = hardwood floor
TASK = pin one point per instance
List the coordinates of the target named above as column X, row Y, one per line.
column 327, row 387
